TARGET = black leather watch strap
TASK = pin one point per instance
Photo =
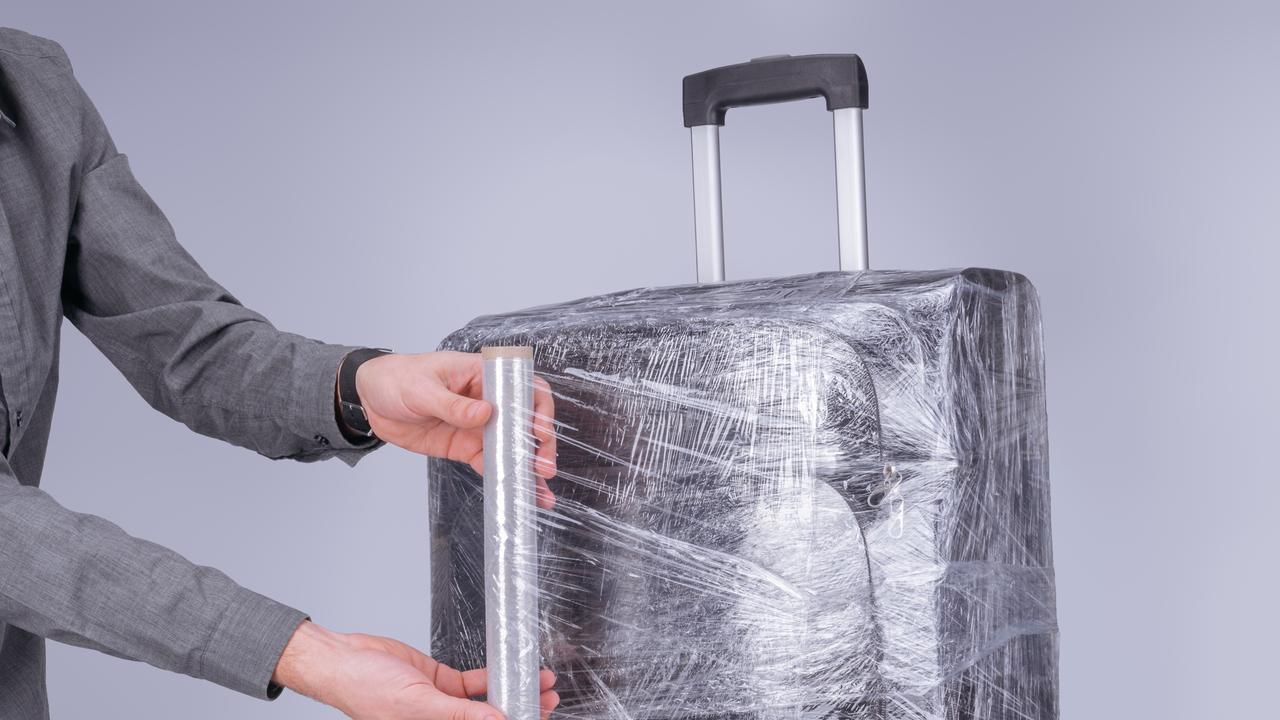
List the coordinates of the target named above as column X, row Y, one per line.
column 350, row 409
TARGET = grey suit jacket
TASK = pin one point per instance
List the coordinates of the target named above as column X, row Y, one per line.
column 79, row 237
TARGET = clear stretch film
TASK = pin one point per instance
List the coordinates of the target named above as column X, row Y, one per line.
column 806, row 498
column 510, row 534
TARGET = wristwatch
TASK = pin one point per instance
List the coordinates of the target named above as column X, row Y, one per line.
column 350, row 411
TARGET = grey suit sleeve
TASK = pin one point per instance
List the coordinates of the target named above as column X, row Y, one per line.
column 198, row 355
column 79, row 579
column 187, row 345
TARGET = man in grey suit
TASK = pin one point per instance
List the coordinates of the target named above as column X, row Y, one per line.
column 79, row 237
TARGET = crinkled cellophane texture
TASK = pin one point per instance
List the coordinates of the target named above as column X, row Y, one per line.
column 823, row 496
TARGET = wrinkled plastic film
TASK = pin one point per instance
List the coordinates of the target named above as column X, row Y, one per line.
column 510, row 534
column 823, row 496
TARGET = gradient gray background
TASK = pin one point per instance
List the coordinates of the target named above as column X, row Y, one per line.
column 405, row 167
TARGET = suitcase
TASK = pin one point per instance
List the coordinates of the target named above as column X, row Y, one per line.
column 822, row 496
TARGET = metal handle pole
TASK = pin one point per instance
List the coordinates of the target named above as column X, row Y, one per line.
column 851, row 195
column 708, row 216
column 851, row 189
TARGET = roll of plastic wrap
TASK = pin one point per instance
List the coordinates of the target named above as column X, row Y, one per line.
column 511, row 541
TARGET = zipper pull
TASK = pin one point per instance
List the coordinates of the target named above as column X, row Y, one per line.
column 8, row 121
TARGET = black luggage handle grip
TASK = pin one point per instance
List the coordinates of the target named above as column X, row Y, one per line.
column 708, row 95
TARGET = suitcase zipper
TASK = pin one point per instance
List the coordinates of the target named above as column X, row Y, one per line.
column 889, row 491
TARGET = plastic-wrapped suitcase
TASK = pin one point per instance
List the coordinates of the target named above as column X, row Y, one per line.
column 822, row 496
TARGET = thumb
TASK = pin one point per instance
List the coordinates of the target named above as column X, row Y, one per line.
column 457, row 410
column 438, row 706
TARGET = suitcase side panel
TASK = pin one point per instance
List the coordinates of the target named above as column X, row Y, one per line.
column 1000, row 640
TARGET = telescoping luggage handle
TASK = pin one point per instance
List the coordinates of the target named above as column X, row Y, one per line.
column 841, row 79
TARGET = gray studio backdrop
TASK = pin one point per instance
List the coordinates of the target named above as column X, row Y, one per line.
column 396, row 169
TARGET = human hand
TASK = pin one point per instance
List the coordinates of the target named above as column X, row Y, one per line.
column 377, row 678
column 431, row 404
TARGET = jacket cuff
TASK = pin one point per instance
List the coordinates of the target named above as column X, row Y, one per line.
column 245, row 647
column 317, row 378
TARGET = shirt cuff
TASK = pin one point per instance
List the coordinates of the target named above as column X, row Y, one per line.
column 317, row 378
column 243, row 651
